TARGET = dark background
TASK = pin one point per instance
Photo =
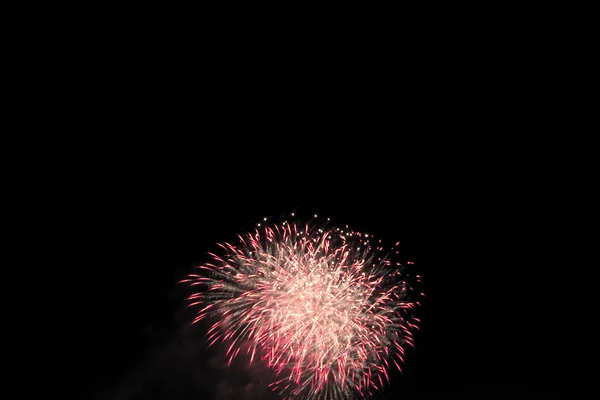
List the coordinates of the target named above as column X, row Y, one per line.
column 504, row 315
column 454, row 146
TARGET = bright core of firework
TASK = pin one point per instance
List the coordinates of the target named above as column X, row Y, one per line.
column 327, row 309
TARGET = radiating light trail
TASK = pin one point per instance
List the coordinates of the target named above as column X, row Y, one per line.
column 326, row 308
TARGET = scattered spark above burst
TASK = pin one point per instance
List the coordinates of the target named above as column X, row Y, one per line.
column 329, row 312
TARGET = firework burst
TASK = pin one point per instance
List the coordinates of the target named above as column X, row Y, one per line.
column 326, row 308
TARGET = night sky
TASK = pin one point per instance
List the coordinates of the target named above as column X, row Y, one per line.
column 181, row 155
column 501, row 309
column 183, row 130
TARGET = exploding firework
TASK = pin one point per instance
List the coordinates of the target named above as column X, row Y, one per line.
column 326, row 308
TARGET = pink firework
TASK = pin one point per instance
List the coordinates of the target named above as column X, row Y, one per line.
column 326, row 308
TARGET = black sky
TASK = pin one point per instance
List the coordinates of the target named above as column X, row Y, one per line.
column 185, row 144
column 499, row 301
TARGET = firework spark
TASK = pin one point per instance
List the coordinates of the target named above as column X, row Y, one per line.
column 326, row 308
